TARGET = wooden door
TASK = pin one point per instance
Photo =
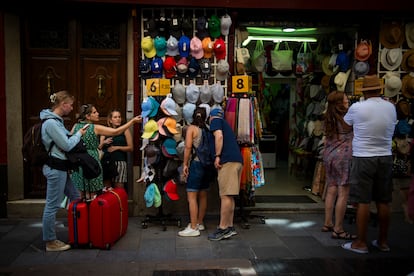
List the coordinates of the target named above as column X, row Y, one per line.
column 82, row 52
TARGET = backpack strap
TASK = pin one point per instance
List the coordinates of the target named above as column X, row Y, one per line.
column 53, row 142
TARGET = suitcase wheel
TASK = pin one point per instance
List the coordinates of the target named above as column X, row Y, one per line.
column 179, row 223
column 107, row 246
column 144, row 225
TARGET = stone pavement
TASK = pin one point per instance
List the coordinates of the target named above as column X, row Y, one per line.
column 287, row 243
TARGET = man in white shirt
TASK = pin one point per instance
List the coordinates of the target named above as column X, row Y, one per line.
column 373, row 122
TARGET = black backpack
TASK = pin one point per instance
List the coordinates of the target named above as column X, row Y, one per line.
column 203, row 151
column 34, row 152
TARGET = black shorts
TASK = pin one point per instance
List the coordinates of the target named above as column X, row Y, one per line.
column 371, row 179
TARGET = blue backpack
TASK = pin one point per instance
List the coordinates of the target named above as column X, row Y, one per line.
column 203, row 151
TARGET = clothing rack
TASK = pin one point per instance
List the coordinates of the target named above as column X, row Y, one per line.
column 246, row 142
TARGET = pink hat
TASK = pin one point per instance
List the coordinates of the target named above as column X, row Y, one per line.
column 196, row 48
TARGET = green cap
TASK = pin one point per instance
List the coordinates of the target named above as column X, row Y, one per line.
column 214, row 26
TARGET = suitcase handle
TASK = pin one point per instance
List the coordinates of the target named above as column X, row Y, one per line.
column 120, row 207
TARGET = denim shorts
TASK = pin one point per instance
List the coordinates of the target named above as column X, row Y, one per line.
column 200, row 177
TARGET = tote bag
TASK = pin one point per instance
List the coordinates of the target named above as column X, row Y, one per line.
column 258, row 59
column 282, row 59
column 304, row 59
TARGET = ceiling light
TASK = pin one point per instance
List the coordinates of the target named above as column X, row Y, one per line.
column 288, row 30
column 277, row 39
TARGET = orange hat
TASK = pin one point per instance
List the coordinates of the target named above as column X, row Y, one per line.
column 208, row 47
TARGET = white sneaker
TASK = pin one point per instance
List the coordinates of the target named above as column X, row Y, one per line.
column 57, row 245
column 200, row 227
column 189, row 232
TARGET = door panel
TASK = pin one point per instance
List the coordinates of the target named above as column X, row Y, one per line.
column 84, row 53
column 102, row 84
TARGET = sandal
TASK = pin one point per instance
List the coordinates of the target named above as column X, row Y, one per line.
column 343, row 235
column 327, row 228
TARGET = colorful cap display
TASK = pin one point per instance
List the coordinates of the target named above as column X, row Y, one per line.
column 170, row 189
column 219, row 48
column 170, row 67
column 156, row 67
column 202, row 27
column 188, row 110
column 184, row 46
column 145, row 68
column 222, row 70
column 214, row 26
column 192, row 93
column 147, row 45
column 172, row 46
column 208, row 47
column 205, row 68
column 160, row 45
column 149, row 129
column 196, row 48
column 225, row 23
column 218, row 92
column 193, row 68
column 168, row 106
column 178, row 92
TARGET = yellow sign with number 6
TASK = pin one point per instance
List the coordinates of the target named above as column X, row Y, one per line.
column 158, row 87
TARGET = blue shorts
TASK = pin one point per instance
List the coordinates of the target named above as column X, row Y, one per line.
column 371, row 179
column 199, row 177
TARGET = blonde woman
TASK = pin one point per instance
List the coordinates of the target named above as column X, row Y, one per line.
column 55, row 136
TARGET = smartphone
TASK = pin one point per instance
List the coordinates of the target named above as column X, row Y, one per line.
column 86, row 126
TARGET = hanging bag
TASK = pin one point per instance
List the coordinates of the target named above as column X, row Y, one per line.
column 282, row 59
column 258, row 58
column 304, row 59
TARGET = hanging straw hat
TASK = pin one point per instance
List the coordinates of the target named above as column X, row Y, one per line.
column 393, row 84
column 392, row 35
column 407, row 63
column 391, row 58
column 408, row 86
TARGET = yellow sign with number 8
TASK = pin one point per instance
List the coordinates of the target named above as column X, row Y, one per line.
column 241, row 84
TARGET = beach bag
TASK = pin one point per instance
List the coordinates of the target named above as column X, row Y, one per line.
column 304, row 59
column 258, row 59
column 402, row 145
column 401, row 167
column 282, row 59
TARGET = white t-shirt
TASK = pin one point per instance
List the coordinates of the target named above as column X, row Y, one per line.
column 373, row 122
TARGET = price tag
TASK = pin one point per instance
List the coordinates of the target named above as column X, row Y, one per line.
column 241, row 84
column 158, row 87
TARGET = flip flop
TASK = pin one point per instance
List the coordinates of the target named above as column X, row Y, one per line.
column 343, row 235
column 348, row 246
column 383, row 248
column 327, row 228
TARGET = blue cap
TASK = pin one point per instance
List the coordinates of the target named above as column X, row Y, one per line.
column 155, row 105
column 146, row 108
column 156, row 67
column 193, row 68
column 145, row 68
column 184, row 46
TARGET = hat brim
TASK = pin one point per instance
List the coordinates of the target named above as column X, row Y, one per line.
column 404, row 90
column 385, row 64
column 405, row 57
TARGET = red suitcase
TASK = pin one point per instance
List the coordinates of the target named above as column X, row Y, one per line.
column 108, row 214
column 78, row 223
